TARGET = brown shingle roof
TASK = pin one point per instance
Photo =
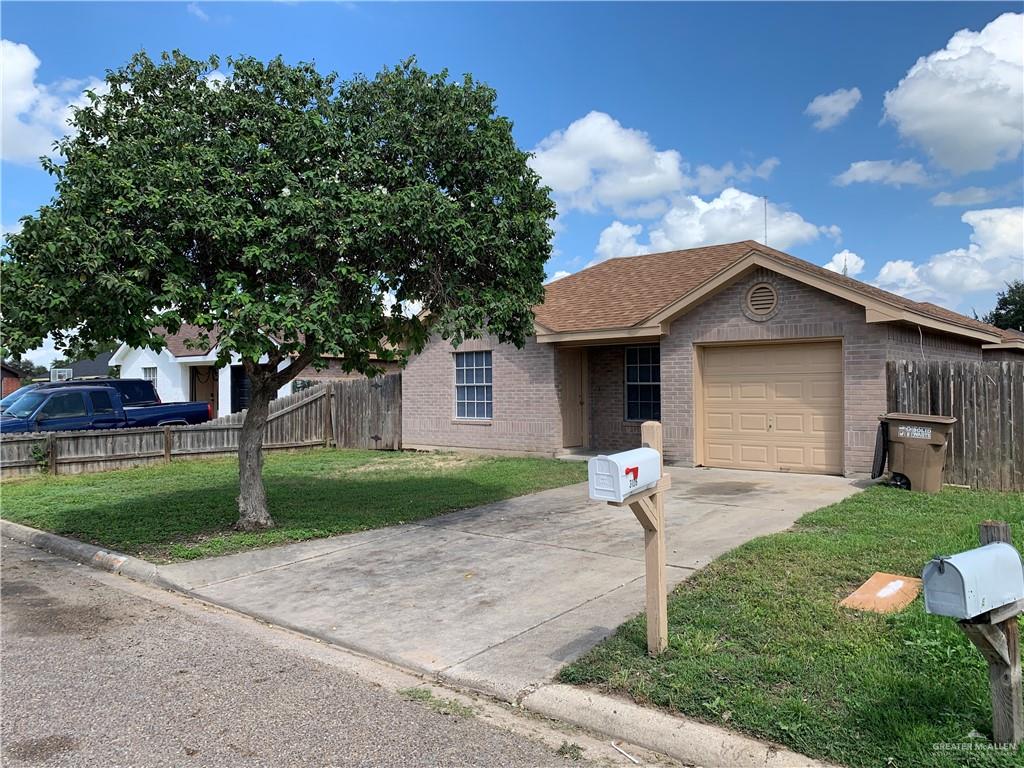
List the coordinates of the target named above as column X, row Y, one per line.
column 619, row 293
column 176, row 342
column 622, row 293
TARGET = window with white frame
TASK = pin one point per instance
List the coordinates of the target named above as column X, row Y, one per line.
column 643, row 383
column 149, row 374
column 473, row 385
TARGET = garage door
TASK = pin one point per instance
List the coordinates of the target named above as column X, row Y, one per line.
column 774, row 406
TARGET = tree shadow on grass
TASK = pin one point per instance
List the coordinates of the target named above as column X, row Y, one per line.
column 151, row 522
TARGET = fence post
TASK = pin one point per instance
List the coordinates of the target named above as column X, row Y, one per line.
column 51, row 453
column 168, row 442
column 328, row 424
column 1000, row 645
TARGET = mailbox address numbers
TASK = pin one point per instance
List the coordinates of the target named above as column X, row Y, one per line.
column 922, row 433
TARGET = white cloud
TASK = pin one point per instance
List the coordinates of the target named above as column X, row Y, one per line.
column 883, row 172
column 618, row 239
column 709, row 179
column 846, row 262
column 833, row 232
column 994, row 257
column 830, row 109
column 198, row 12
column 973, row 195
column 45, row 354
column 34, row 115
column 962, row 104
column 692, row 221
column 557, row 276
column 13, row 229
column 597, row 162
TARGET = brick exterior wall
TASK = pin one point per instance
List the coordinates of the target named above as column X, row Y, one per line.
column 334, row 372
column 1003, row 355
column 909, row 344
column 526, row 382
column 609, row 430
column 803, row 313
column 526, row 412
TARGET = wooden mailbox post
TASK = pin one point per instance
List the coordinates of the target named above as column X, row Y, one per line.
column 649, row 508
column 997, row 635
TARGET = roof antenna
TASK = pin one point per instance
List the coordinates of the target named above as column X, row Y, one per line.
column 765, row 199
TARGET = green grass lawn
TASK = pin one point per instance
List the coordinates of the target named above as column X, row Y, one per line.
column 758, row 642
column 185, row 509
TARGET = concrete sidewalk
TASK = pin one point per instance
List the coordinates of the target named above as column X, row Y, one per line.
column 499, row 597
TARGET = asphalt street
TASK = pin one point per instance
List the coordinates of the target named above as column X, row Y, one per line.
column 97, row 670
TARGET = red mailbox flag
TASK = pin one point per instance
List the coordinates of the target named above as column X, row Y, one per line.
column 634, row 471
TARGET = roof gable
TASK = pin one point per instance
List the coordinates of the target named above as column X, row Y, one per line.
column 641, row 293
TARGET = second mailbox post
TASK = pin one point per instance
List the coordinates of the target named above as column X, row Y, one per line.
column 636, row 479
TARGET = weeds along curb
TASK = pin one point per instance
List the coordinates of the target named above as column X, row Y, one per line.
column 104, row 559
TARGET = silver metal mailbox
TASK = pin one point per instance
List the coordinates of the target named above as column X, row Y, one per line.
column 973, row 582
column 613, row 478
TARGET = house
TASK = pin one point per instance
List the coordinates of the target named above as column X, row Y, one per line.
column 186, row 369
column 11, row 379
column 749, row 357
column 92, row 368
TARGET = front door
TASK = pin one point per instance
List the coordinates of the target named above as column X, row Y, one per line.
column 574, row 402
column 204, row 385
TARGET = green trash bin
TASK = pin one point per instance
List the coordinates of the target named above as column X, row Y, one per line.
column 917, row 449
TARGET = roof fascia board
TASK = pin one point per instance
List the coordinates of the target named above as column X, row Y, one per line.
column 610, row 334
column 118, row 357
column 1013, row 344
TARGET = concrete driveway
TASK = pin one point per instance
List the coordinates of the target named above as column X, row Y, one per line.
column 499, row 597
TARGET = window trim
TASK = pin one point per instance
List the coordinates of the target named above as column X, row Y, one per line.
column 626, row 382
column 456, row 385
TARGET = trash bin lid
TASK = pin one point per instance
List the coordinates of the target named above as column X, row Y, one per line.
column 918, row 417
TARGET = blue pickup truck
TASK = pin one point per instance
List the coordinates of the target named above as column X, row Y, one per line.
column 63, row 408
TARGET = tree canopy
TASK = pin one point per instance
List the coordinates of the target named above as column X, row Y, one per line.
column 1009, row 310
column 284, row 211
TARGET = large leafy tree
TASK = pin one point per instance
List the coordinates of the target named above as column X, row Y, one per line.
column 1009, row 309
column 289, row 214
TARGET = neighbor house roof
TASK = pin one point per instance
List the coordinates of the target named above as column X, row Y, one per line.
column 202, row 341
column 94, row 366
column 639, row 292
column 11, row 370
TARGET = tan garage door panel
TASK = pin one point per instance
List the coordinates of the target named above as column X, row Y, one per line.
column 774, row 407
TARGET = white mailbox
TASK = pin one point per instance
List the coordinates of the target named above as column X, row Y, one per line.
column 973, row 582
column 613, row 478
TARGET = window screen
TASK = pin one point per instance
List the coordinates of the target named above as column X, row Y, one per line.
column 643, row 383
column 473, row 385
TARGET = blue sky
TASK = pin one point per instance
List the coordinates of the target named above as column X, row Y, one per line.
column 658, row 125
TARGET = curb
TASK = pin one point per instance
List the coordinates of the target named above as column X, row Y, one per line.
column 114, row 562
column 687, row 741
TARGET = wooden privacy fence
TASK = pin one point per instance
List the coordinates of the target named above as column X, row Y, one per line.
column 368, row 412
column 986, row 447
column 360, row 413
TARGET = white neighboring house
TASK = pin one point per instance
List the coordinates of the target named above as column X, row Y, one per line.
column 181, row 372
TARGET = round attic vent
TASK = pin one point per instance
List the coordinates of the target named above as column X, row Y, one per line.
column 762, row 300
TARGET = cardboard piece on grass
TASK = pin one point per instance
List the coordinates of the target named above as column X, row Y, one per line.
column 884, row 593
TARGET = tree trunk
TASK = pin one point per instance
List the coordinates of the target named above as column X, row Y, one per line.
column 253, row 514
